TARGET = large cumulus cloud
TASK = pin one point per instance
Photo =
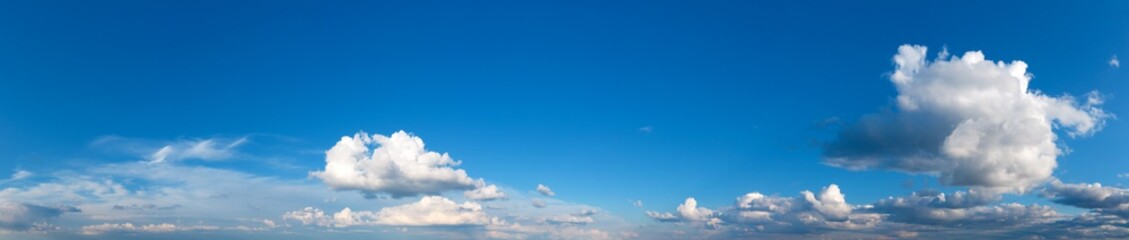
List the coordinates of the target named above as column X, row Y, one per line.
column 971, row 121
column 399, row 166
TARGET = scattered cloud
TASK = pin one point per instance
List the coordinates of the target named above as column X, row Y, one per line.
column 826, row 211
column 1093, row 196
column 1113, row 62
column 646, row 129
column 207, row 149
column 20, row 175
column 538, row 203
column 147, row 228
column 399, row 166
column 153, row 151
column 971, row 121
column 485, row 193
column 971, row 208
column 429, row 211
column 25, row 217
column 544, row 190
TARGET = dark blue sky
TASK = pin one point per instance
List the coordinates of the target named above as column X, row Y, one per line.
column 737, row 96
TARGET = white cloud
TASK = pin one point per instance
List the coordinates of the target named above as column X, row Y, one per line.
column 689, row 211
column 1113, row 62
column 207, row 149
column 538, row 203
column 965, row 209
column 637, row 203
column 826, row 211
column 485, row 193
column 830, row 203
column 569, row 219
column 399, row 166
column 429, row 211
column 19, row 175
column 544, row 190
column 308, row 216
column 1094, row 196
column 971, row 121
column 25, row 217
column 147, row 228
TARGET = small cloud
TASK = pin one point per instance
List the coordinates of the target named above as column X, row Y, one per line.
column 485, row 193
column 538, row 203
column 646, row 129
column 21, row 174
column 544, row 190
column 637, row 203
column 1113, row 62
column 1123, row 175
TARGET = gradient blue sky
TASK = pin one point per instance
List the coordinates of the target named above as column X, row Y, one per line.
column 605, row 102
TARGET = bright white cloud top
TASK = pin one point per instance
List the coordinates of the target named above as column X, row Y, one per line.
column 398, row 166
column 545, row 190
column 972, row 121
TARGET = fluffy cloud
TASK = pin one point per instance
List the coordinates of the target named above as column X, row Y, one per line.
column 23, row 217
column 485, row 193
column 687, row 211
column 399, row 166
column 429, row 211
column 1113, row 62
column 971, row 121
column 961, row 209
column 308, row 216
column 544, row 190
column 827, row 210
column 831, row 203
column 1093, row 196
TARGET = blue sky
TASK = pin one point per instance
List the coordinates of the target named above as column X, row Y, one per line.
column 607, row 103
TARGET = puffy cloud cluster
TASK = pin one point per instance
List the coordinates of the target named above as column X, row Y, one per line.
column 399, row 166
column 826, row 210
column 429, row 211
column 24, row 217
column 972, row 121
